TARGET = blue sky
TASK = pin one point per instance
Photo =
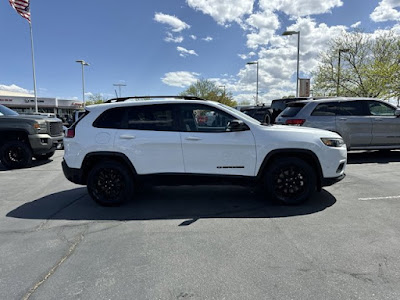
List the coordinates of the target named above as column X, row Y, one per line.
column 161, row 47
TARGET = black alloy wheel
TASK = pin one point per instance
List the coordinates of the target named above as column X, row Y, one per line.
column 110, row 183
column 290, row 180
column 15, row 154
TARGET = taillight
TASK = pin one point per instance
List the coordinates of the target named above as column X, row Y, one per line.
column 70, row 132
column 296, row 122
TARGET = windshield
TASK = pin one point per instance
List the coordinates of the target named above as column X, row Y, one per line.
column 5, row 111
column 242, row 115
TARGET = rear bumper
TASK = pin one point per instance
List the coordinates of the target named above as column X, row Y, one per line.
column 73, row 175
column 333, row 180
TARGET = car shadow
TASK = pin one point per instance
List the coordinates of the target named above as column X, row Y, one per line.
column 189, row 203
column 373, row 156
column 35, row 163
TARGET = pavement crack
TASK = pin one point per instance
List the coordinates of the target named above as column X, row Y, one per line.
column 70, row 251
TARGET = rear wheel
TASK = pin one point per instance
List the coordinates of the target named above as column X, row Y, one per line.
column 15, row 154
column 290, row 180
column 110, row 183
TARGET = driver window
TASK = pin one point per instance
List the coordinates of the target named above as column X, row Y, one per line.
column 201, row 118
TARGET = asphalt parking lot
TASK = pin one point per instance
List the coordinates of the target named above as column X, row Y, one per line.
column 201, row 242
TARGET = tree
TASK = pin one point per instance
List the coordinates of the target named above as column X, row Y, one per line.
column 96, row 99
column 207, row 89
column 369, row 66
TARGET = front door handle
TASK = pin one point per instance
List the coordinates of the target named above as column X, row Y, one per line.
column 192, row 138
column 127, row 137
column 342, row 119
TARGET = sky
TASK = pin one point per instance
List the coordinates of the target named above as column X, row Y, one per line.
column 162, row 47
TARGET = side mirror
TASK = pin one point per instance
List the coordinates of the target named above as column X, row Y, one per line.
column 397, row 112
column 237, row 125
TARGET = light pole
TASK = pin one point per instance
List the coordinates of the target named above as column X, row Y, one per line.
column 298, row 57
column 255, row 63
column 119, row 85
column 223, row 86
column 83, row 63
column 338, row 71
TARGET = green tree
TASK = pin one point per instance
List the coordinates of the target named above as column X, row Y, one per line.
column 207, row 89
column 96, row 99
column 369, row 66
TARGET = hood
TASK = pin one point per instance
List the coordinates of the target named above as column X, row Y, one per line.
column 300, row 129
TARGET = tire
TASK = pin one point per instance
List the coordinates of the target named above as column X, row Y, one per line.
column 110, row 183
column 15, row 154
column 44, row 156
column 267, row 118
column 290, row 181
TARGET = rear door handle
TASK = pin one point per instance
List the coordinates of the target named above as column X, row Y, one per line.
column 127, row 137
column 343, row 119
column 192, row 138
column 379, row 120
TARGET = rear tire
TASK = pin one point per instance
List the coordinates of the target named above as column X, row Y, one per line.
column 290, row 180
column 15, row 154
column 110, row 183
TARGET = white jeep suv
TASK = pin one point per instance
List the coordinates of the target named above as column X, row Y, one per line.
column 115, row 147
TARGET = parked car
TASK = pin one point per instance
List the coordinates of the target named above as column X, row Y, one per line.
column 364, row 123
column 261, row 113
column 25, row 136
column 116, row 146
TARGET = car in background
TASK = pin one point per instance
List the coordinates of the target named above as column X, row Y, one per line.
column 363, row 123
column 261, row 113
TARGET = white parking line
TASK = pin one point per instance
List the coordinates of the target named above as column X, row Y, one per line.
column 379, row 198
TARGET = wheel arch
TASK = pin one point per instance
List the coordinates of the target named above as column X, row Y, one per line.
column 94, row 157
column 18, row 134
column 304, row 154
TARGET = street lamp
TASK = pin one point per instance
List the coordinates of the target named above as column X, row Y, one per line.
column 338, row 72
column 255, row 63
column 298, row 57
column 223, row 86
column 83, row 63
column 119, row 85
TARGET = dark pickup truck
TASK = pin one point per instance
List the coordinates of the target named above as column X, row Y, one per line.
column 25, row 136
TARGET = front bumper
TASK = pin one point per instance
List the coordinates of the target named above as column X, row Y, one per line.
column 44, row 143
column 73, row 175
column 333, row 180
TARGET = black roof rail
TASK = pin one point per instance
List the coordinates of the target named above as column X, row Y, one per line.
column 121, row 99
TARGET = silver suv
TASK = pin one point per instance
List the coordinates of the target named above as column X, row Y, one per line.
column 364, row 123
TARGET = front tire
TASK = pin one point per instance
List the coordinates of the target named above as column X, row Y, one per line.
column 15, row 154
column 290, row 180
column 110, row 183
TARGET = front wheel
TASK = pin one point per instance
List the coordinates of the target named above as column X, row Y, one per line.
column 290, row 180
column 110, row 183
column 15, row 154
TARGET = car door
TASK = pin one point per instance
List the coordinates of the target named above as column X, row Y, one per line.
column 151, row 140
column 385, row 124
column 353, row 123
column 211, row 148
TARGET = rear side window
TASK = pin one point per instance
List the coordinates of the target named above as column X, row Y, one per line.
column 325, row 109
column 292, row 110
column 352, row 108
column 112, row 118
column 151, row 117
column 380, row 109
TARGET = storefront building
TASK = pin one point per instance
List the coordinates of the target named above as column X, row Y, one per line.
column 26, row 104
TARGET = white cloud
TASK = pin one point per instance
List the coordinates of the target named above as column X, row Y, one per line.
column 170, row 38
column 262, row 27
column 193, row 37
column 247, row 56
column 356, row 25
column 14, row 88
column 207, row 39
column 300, row 8
column 180, row 79
column 223, row 11
column 176, row 24
column 185, row 52
column 386, row 11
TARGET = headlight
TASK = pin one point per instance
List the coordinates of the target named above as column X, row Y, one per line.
column 333, row 142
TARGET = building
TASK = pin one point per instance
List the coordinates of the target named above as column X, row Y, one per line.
column 25, row 103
